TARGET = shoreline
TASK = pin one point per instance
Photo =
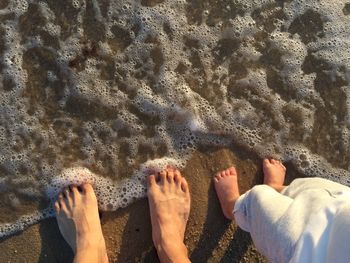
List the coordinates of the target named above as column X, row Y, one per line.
column 209, row 236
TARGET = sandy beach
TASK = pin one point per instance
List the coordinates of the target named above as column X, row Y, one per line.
column 117, row 86
column 209, row 236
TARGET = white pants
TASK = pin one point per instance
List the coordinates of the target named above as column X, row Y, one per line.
column 276, row 221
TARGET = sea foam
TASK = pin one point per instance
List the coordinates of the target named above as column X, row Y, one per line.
column 105, row 91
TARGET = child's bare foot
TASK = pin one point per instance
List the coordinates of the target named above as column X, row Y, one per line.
column 79, row 223
column 226, row 187
column 169, row 202
column 274, row 174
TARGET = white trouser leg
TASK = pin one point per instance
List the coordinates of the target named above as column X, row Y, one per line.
column 276, row 220
column 338, row 249
column 258, row 212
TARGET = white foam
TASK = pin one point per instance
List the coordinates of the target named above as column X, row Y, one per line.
column 164, row 87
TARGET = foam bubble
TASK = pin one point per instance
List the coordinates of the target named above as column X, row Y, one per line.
column 137, row 83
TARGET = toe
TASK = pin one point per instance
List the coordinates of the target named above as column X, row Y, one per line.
column 67, row 197
column 162, row 177
column 232, row 170
column 216, row 180
column 217, row 177
column 266, row 162
column 177, row 176
column 87, row 188
column 63, row 205
column 170, row 175
column 184, row 185
column 284, row 168
column 273, row 161
column 74, row 193
column 60, row 198
column 57, row 207
column 151, row 180
column 74, row 190
column 65, row 192
column 170, row 168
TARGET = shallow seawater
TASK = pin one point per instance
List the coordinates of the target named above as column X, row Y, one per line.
column 124, row 87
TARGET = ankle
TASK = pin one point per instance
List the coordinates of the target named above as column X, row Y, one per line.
column 170, row 246
column 277, row 187
column 228, row 209
column 96, row 244
column 170, row 251
column 92, row 252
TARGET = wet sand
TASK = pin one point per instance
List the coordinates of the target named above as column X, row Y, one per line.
column 209, row 236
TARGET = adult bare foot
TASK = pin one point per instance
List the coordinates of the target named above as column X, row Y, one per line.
column 79, row 223
column 274, row 174
column 226, row 187
column 169, row 202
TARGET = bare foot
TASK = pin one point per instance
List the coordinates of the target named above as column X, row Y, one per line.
column 274, row 174
column 169, row 202
column 226, row 187
column 79, row 223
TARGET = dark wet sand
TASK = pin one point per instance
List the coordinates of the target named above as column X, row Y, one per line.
column 209, row 236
